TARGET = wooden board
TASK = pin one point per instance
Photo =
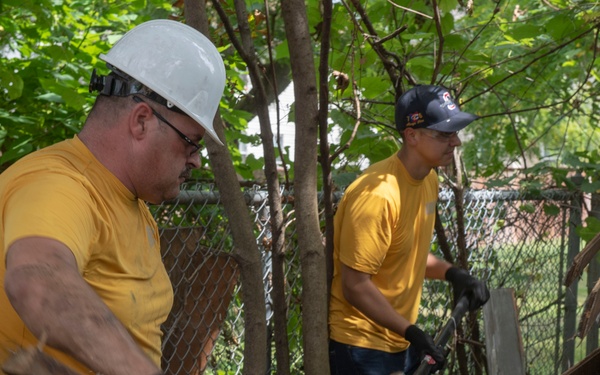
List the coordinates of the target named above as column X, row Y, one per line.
column 503, row 342
column 203, row 286
column 590, row 365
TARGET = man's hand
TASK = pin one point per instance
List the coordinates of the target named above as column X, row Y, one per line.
column 33, row 360
column 463, row 283
column 424, row 345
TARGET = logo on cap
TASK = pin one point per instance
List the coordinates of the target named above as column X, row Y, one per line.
column 414, row 119
column 448, row 101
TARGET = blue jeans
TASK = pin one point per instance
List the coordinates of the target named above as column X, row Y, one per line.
column 352, row 360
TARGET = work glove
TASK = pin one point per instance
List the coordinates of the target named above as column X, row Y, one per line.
column 424, row 345
column 465, row 284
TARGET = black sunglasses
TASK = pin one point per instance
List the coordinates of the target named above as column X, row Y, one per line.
column 196, row 147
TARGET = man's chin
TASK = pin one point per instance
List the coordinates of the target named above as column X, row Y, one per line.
column 166, row 197
column 172, row 194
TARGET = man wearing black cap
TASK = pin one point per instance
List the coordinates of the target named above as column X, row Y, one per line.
column 383, row 231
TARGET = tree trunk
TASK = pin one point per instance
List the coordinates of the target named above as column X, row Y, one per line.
column 246, row 249
column 325, row 159
column 314, row 286
column 277, row 244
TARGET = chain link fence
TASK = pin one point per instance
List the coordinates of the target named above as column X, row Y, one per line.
column 513, row 240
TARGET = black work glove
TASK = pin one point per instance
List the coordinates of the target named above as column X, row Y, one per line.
column 424, row 345
column 463, row 283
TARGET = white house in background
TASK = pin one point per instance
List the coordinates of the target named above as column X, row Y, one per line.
column 287, row 130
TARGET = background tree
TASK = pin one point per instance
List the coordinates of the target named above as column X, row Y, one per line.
column 312, row 252
column 245, row 250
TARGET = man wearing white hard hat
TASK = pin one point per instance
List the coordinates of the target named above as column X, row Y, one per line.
column 80, row 257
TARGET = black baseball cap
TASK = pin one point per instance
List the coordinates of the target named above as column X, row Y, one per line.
column 431, row 107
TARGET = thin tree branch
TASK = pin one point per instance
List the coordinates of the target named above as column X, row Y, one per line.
column 390, row 67
column 392, row 35
column 471, row 42
column 514, row 127
column 574, row 107
column 527, row 65
column 274, row 86
column 440, row 50
column 230, row 31
column 356, row 105
column 409, row 10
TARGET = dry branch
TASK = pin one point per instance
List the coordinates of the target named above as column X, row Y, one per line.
column 591, row 309
column 591, row 312
column 582, row 260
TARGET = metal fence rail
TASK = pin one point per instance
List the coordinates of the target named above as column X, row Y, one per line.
column 515, row 241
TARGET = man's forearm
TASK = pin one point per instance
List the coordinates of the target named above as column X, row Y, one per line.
column 436, row 268
column 369, row 300
column 360, row 292
column 75, row 320
column 53, row 299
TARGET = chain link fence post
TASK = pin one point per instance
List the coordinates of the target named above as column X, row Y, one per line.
column 570, row 303
column 593, row 276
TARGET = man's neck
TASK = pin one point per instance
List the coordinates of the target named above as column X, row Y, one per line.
column 413, row 164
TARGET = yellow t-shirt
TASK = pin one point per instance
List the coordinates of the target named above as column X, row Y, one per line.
column 63, row 192
column 383, row 226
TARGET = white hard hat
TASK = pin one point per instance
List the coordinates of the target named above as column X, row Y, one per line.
column 178, row 63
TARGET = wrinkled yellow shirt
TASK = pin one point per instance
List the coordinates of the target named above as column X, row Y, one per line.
column 383, row 227
column 64, row 193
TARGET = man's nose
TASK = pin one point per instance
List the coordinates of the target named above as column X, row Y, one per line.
column 455, row 140
column 194, row 160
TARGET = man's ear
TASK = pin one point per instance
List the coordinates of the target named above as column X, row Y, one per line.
column 410, row 136
column 139, row 119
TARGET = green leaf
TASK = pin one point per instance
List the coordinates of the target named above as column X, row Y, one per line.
column 560, row 26
column 498, row 182
column 421, row 66
column 455, row 42
column 590, row 187
column 551, row 209
column 282, row 50
column 57, row 53
column 11, row 84
column 371, row 87
column 16, row 151
column 251, row 166
column 448, row 5
column 447, row 21
column 526, row 31
column 344, row 179
column 527, row 207
column 591, row 229
column 499, row 224
column 3, row 134
column 51, row 97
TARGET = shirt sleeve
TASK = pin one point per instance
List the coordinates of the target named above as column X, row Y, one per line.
column 366, row 231
column 51, row 205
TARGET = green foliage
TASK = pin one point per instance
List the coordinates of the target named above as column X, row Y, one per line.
column 48, row 49
column 47, row 52
column 527, row 70
column 591, row 228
